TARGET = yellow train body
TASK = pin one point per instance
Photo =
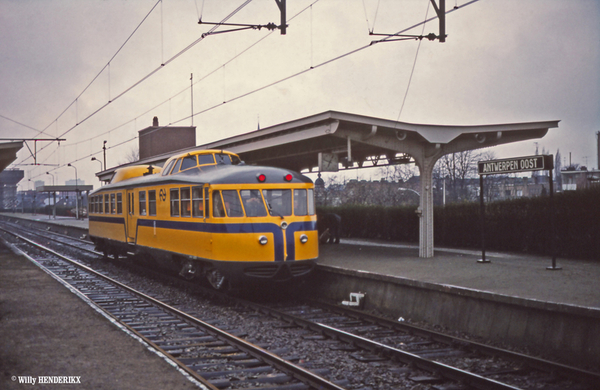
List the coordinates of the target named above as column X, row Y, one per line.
column 224, row 220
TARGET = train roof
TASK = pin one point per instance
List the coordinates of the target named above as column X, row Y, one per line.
column 213, row 174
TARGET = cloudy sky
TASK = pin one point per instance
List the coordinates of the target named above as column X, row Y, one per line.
column 504, row 61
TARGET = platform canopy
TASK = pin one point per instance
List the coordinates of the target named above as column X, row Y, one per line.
column 335, row 140
column 8, row 153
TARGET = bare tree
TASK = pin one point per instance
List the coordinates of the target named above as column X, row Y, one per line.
column 456, row 169
column 132, row 155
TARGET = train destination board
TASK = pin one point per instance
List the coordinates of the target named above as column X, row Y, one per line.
column 514, row 165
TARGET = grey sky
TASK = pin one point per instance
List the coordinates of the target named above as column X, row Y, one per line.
column 504, row 61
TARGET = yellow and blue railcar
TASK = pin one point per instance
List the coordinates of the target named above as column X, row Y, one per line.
column 209, row 214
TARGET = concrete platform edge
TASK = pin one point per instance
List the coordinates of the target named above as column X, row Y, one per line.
column 467, row 292
column 555, row 331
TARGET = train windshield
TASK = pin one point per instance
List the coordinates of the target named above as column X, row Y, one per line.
column 253, row 203
column 279, row 202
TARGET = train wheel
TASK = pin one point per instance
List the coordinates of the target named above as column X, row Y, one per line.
column 216, row 279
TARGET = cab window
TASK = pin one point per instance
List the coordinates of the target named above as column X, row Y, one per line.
column 233, row 206
column 279, row 202
column 311, row 202
column 253, row 203
column 188, row 162
column 300, row 203
column 218, row 209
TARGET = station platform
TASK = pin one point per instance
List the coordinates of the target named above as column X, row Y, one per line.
column 515, row 275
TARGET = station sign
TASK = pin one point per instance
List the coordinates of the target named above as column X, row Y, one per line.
column 516, row 164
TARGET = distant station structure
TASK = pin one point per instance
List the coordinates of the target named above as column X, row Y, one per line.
column 332, row 141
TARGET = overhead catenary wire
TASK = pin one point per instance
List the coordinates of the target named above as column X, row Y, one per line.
column 412, row 71
column 351, row 52
column 144, row 78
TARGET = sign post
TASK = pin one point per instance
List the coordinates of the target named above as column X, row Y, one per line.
column 516, row 165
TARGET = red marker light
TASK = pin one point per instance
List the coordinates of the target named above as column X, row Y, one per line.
column 288, row 177
column 261, row 177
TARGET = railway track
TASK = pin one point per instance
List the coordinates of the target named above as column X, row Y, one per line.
column 215, row 357
column 410, row 356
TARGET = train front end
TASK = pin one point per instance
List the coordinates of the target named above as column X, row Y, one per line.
column 264, row 226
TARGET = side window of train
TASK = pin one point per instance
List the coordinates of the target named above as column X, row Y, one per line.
column 206, row 204
column 311, row 202
column 197, row 202
column 142, row 203
column 188, row 162
column 119, row 203
column 113, row 206
column 130, row 207
column 106, row 207
column 174, row 202
column 232, row 203
column 186, row 203
column 218, row 209
column 152, row 202
column 167, row 169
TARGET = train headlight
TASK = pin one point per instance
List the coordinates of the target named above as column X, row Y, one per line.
column 288, row 177
column 262, row 240
column 261, row 177
column 303, row 238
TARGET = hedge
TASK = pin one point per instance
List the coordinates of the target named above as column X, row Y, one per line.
column 520, row 225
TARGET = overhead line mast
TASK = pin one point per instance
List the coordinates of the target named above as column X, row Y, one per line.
column 243, row 26
column 441, row 15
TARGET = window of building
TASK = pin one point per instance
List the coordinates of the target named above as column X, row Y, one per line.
column 174, row 202
column 142, row 203
column 233, row 206
column 186, row 203
column 152, row 202
column 197, row 202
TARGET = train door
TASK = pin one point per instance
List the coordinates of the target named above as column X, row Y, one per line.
column 130, row 224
